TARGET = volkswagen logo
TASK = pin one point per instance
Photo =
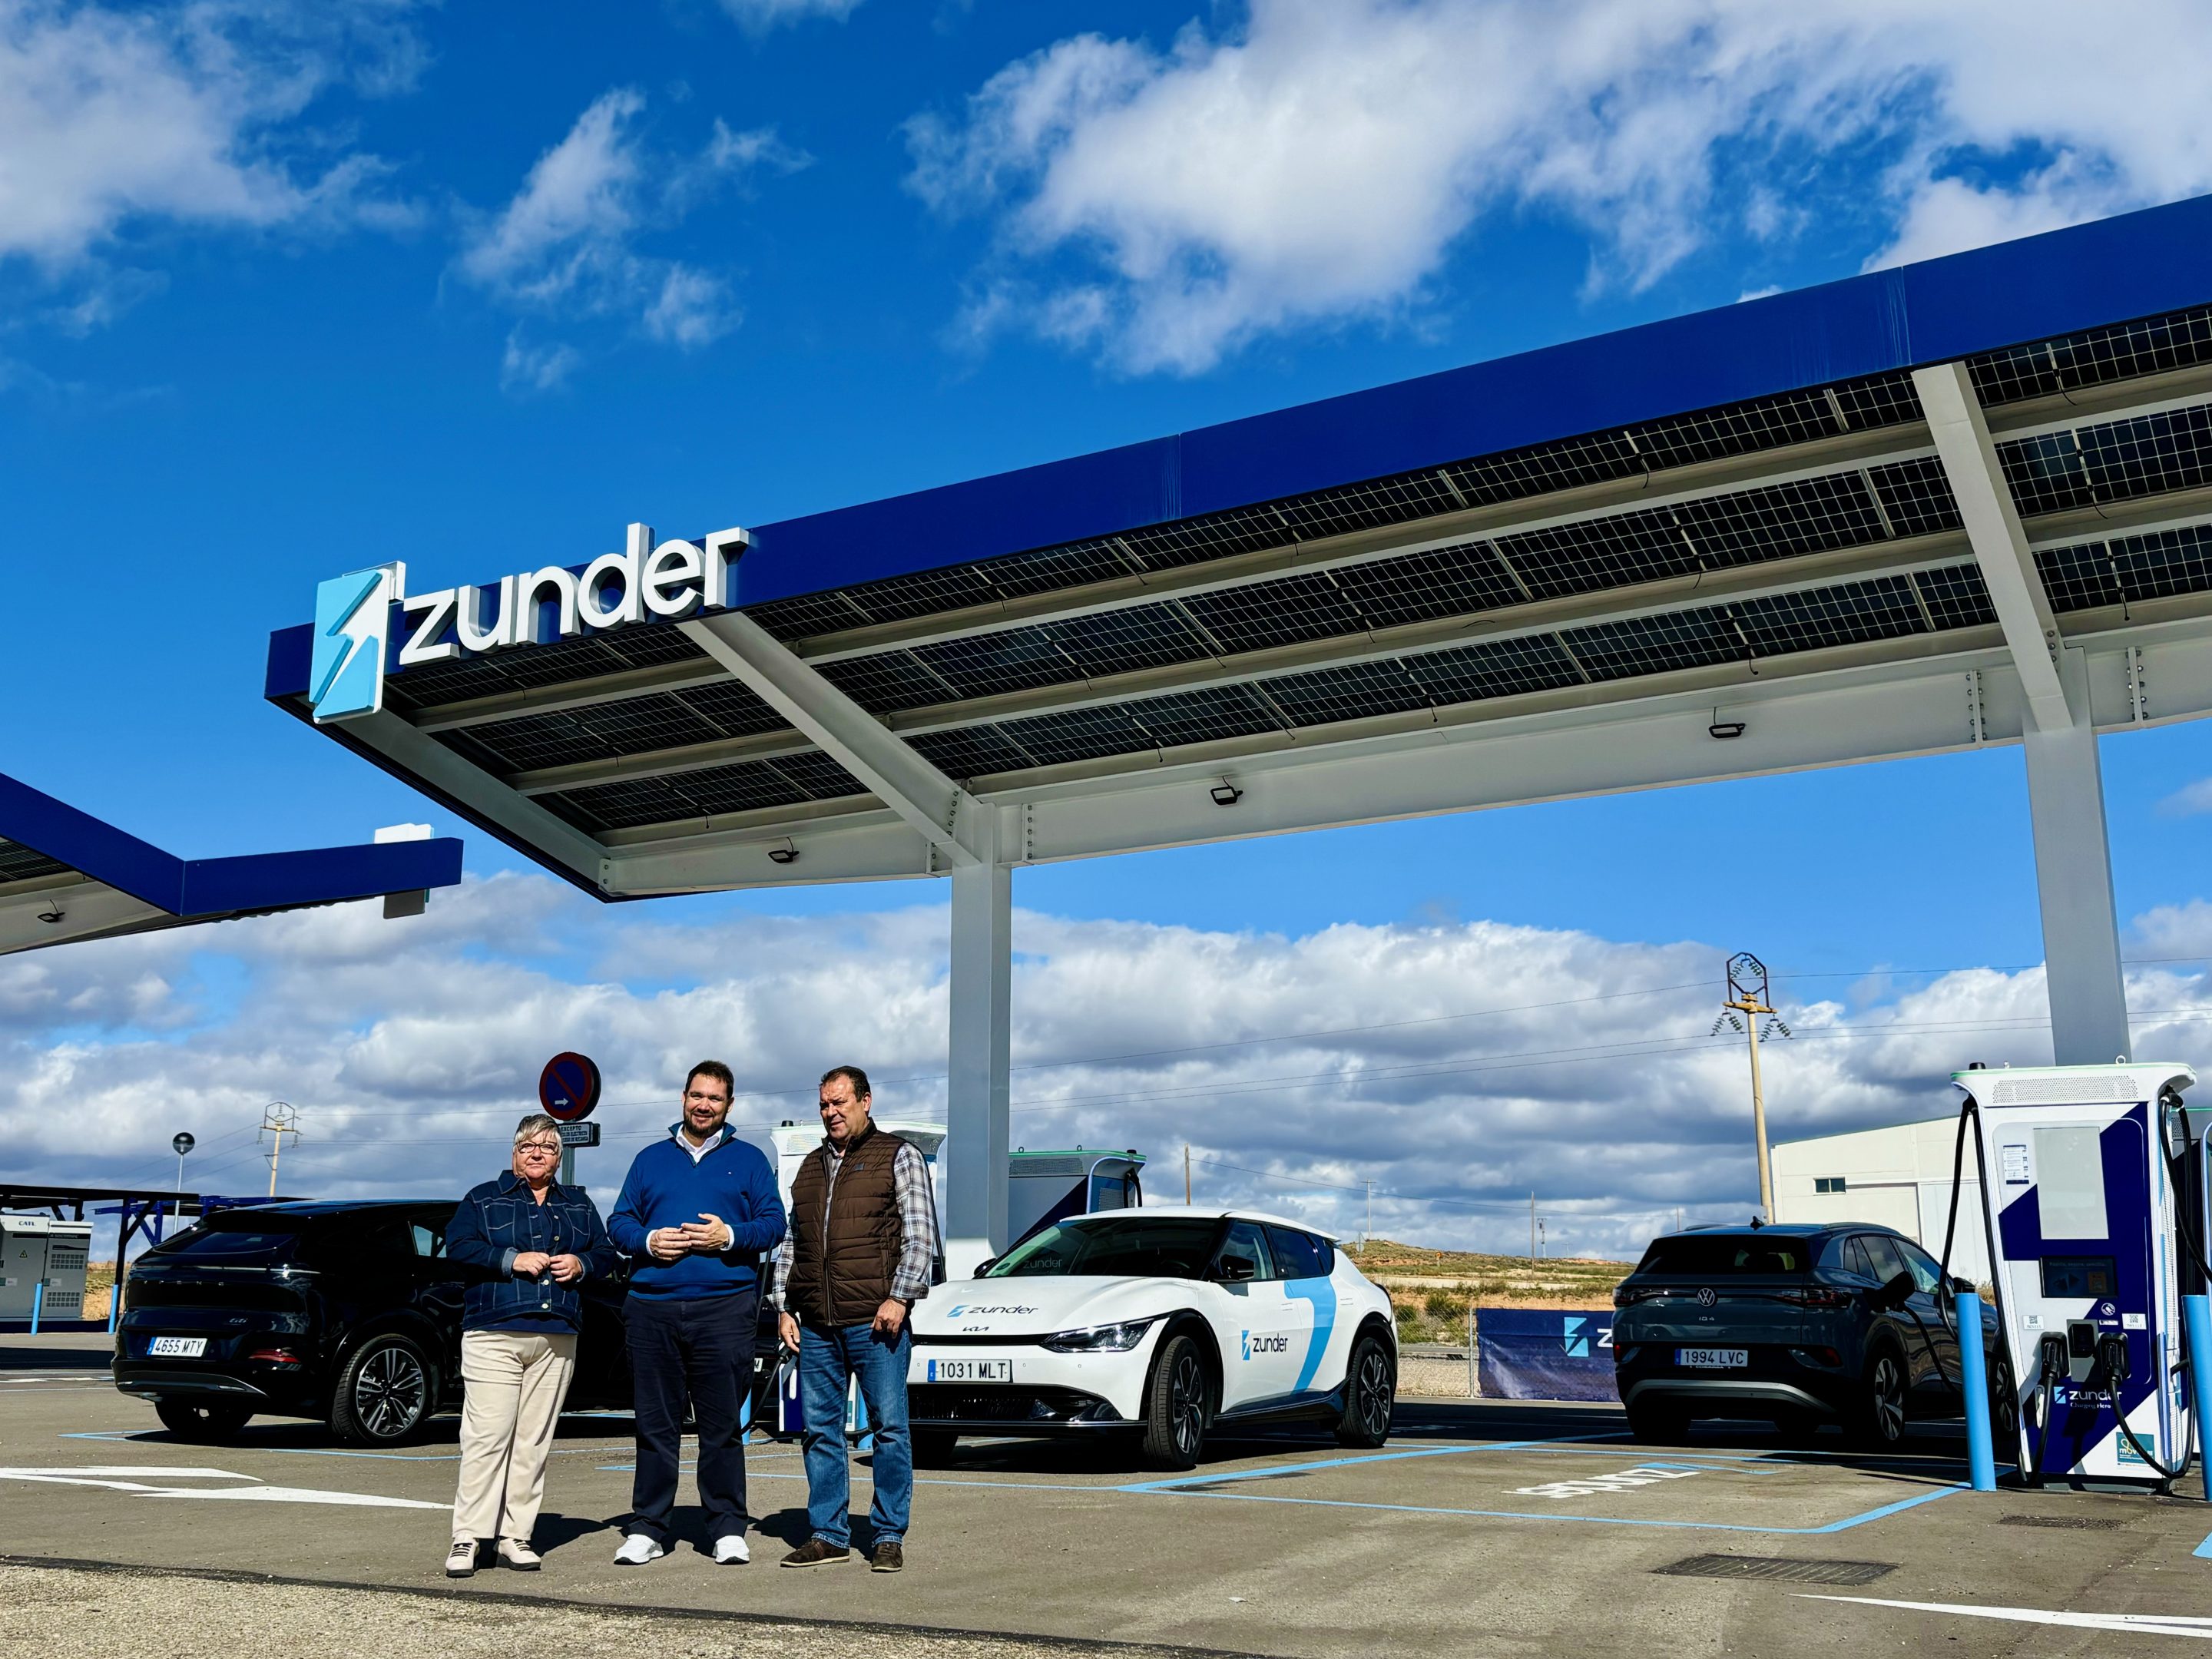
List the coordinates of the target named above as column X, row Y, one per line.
column 1707, row 1296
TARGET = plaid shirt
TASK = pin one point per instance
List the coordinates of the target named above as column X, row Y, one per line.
column 917, row 1208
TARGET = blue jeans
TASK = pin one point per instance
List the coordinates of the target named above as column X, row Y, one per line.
column 827, row 1356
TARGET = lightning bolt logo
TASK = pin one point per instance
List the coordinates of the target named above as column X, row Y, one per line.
column 352, row 613
column 1247, row 1337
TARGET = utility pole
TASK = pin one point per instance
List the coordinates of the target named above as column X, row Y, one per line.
column 1747, row 984
column 1532, row 1226
column 1185, row 1172
column 1368, row 1238
column 278, row 1119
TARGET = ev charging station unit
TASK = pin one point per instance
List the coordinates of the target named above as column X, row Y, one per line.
column 2094, row 1210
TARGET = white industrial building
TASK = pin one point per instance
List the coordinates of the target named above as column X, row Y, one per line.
column 1897, row 1176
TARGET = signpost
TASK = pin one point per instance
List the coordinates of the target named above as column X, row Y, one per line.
column 568, row 1090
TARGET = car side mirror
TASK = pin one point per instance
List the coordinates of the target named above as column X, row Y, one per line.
column 985, row 1266
column 1236, row 1269
column 1961, row 1287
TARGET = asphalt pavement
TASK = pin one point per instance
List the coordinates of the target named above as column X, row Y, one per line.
column 1482, row 1529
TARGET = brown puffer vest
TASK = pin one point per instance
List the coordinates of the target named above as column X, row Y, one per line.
column 842, row 1261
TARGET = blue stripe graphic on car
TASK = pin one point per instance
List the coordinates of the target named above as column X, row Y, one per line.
column 1321, row 1292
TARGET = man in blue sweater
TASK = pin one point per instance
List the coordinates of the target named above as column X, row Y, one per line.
column 696, row 1210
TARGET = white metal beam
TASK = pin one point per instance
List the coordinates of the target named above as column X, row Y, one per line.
column 418, row 755
column 977, row 1133
column 2082, row 974
column 1999, row 540
column 895, row 772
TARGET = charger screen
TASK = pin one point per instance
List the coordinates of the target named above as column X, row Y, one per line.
column 2089, row 1277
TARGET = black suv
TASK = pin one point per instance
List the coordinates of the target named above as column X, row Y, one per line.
column 1799, row 1325
column 347, row 1311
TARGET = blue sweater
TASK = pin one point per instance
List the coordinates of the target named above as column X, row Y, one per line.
column 665, row 1189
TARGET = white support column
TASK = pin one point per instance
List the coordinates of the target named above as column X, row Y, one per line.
column 2065, row 785
column 976, row 1130
column 2074, row 879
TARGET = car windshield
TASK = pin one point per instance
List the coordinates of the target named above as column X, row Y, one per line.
column 1716, row 1255
column 262, row 1239
column 1123, row 1246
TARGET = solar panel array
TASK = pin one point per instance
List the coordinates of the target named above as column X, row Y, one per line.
column 1698, row 636
column 21, row 863
column 1226, row 630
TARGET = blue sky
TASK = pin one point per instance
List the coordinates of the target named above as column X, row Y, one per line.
column 297, row 288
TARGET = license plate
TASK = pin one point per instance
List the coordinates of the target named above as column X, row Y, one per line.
column 971, row 1370
column 177, row 1348
column 1713, row 1359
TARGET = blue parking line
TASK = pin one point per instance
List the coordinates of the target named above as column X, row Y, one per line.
column 1845, row 1525
column 1345, row 1462
column 2204, row 1549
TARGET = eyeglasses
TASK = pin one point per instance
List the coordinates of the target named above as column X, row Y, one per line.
column 540, row 1148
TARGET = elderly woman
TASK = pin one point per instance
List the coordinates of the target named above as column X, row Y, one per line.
column 531, row 1242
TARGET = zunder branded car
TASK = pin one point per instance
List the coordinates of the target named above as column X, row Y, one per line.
column 1159, row 1323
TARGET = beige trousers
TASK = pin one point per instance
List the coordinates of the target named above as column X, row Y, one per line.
column 515, row 1384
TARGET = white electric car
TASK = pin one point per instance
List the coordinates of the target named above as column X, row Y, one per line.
column 1158, row 1322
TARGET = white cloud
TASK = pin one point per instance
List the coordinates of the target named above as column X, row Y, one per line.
column 757, row 16
column 1320, row 161
column 113, row 121
column 567, row 245
column 2188, row 800
column 524, row 369
column 1457, row 1066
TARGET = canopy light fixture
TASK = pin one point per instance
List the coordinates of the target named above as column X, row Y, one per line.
column 1723, row 729
column 786, row 854
column 1225, row 793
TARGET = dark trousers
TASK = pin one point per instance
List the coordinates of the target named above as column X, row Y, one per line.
column 700, row 1350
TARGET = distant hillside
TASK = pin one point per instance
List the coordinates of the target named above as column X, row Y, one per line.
column 1431, row 1290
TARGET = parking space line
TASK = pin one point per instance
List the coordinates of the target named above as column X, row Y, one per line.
column 2204, row 1549
column 1278, row 1469
column 1843, row 1525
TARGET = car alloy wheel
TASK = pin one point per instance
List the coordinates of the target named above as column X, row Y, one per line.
column 1887, row 1407
column 390, row 1392
column 1187, row 1394
column 1371, row 1392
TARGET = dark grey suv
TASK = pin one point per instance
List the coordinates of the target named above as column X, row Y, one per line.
column 1798, row 1325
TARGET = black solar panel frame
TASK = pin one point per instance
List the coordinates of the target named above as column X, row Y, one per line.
column 970, row 751
column 2096, row 356
column 817, row 776
column 1347, row 691
column 1917, row 496
column 1956, row 596
column 993, row 665
column 1266, row 615
column 1466, row 579
column 21, row 863
column 2165, row 563
column 1208, row 714
column 1101, row 643
column 1512, row 667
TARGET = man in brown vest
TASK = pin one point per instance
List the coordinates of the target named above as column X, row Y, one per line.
column 862, row 1241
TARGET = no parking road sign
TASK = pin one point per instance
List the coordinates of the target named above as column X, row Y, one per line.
column 569, row 1087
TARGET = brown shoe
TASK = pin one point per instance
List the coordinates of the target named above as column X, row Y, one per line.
column 888, row 1557
column 816, row 1552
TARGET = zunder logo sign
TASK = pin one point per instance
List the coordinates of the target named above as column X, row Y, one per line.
column 345, row 679
column 644, row 582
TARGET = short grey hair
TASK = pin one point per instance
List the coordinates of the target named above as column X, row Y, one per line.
column 535, row 1125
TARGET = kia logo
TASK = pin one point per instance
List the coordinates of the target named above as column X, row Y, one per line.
column 1706, row 1297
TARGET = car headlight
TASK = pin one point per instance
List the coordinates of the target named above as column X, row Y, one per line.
column 1101, row 1339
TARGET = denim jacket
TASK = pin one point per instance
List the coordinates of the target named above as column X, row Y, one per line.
column 498, row 1221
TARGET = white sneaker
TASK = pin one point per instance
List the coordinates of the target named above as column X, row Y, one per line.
column 636, row 1550
column 515, row 1552
column 731, row 1551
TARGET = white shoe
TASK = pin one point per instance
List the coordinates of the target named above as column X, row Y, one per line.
column 516, row 1553
column 731, row 1551
column 461, row 1559
column 636, row 1550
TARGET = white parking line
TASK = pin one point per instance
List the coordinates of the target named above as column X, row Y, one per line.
column 130, row 1478
column 2139, row 1623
